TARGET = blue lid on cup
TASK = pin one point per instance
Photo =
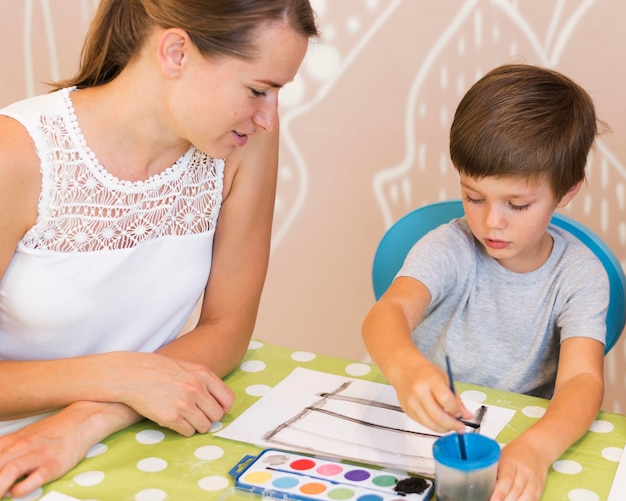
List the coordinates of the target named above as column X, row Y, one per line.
column 481, row 451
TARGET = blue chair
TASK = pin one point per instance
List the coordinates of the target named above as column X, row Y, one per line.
column 398, row 240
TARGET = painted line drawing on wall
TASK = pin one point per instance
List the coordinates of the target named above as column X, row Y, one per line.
column 342, row 417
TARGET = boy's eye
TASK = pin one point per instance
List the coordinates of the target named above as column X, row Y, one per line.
column 257, row 93
column 519, row 207
column 472, row 200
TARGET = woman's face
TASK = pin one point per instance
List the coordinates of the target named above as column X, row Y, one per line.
column 218, row 102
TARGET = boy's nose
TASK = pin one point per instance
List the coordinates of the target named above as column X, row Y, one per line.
column 494, row 217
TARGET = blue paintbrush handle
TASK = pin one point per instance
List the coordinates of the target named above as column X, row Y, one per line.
column 461, row 438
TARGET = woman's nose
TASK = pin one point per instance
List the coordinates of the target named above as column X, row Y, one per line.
column 267, row 116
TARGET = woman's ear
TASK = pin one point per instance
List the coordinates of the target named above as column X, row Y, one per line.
column 172, row 51
column 569, row 196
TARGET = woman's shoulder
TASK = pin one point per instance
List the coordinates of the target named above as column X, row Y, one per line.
column 35, row 105
column 17, row 150
column 20, row 179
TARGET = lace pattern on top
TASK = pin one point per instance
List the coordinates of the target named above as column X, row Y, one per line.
column 84, row 208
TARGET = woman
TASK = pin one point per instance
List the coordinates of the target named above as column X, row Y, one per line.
column 139, row 187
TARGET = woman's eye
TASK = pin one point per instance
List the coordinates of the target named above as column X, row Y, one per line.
column 257, row 93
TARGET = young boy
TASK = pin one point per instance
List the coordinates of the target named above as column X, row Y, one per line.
column 515, row 302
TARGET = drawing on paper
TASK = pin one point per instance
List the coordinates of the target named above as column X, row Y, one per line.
column 341, row 417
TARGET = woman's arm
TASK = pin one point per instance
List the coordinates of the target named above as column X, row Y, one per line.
column 240, row 259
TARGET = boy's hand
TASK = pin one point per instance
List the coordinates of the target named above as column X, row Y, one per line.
column 522, row 473
column 424, row 393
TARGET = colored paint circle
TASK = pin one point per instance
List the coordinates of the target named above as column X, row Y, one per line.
column 275, row 459
column 357, row 475
column 370, row 497
column 340, row 494
column 384, row 480
column 329, row 469
column 285, row 482
column 312, row 488
column 302, row 464
column 258, row 477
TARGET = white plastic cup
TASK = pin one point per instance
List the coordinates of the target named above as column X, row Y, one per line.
column 471, row 479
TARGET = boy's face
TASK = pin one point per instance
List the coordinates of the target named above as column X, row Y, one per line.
column 509, row 217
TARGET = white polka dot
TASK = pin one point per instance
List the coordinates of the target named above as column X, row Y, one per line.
column 302, row 356
column 209, row 452
column 567, row 466
column 216, row 426
column 151, row 464
column 213, row 483
column 612, row 453
column 358, row 369
column 30, row 497
column 582, row 495
column 148, row 437
column 257, row 390
column 533, row 411
column 255, row 345
column 89, row 478
column 96, row 450
column 600, row 426
column 151, row 495
column 252, row 366
column 474, row 396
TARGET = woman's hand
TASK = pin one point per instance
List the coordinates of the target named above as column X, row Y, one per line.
column 47, row 449
column 183, row 396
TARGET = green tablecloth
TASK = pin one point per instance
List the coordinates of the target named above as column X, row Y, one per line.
column 149, row 463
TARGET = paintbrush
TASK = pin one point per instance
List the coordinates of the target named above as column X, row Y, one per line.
column 461, row 438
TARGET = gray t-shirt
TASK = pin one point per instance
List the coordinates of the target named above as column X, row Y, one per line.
column 502, row 329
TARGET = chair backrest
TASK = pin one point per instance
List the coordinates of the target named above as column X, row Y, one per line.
column 398, row 240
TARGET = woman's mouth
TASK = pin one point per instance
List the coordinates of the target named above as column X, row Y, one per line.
column 240, row 138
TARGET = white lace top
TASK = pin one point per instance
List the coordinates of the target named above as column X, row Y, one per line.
column 110, row 264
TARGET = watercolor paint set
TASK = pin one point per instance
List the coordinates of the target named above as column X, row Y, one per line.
column 287, row 475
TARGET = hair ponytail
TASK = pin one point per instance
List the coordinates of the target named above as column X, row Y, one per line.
column 115, row 35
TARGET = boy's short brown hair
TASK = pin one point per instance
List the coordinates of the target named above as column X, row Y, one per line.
column 524, row 121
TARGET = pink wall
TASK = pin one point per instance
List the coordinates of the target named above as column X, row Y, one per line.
column 365, row 128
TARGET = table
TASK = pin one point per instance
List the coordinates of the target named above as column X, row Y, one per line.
column 148, row 463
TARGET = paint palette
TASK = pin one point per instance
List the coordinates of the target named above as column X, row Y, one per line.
column 287, row 475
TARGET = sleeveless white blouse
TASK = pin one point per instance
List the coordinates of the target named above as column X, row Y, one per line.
column 109, row 265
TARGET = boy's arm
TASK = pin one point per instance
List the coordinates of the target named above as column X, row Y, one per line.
column 423, row 389
column 576, row 402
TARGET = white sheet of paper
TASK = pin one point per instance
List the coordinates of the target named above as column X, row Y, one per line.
column 57, row 496
column 619, row 482
column 346, row 418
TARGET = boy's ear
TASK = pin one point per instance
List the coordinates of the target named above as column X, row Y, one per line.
column 569, row 196
column 172, row 51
